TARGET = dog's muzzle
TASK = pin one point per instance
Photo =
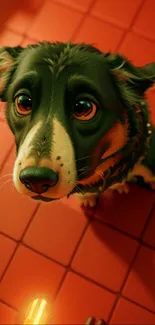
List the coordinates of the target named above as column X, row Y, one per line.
column 38, row 179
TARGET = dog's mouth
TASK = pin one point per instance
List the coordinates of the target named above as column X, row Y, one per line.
column 43, row 198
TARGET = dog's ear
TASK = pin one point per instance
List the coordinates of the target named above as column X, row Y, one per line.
column 136, row 79
column 8, row 64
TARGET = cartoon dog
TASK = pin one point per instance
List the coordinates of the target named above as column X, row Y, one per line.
column 80, row 120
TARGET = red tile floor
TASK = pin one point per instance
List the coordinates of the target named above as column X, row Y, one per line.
column 100, row 263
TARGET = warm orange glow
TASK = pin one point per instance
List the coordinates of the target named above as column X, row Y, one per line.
column 37, row 313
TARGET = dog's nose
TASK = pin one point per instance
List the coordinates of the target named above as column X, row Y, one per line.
column 38, row 179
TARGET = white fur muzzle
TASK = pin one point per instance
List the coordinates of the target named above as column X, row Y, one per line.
column 62, row 161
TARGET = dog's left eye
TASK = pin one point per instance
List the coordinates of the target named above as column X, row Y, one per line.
column 84, row 110
column 23, row 104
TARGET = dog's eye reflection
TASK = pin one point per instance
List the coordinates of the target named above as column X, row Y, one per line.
column 84, row 110
column 23, row 104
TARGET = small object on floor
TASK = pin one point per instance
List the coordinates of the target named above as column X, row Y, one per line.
column 92, row 321
column 37, row 313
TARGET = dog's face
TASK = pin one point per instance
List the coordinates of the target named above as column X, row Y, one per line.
column 66, row 111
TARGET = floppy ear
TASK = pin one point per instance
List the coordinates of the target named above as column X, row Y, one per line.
column 136, row 80
column 8, row 63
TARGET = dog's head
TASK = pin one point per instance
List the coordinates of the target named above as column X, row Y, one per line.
column 68, row 106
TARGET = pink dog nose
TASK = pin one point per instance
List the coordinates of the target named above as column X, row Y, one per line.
column 38, row 179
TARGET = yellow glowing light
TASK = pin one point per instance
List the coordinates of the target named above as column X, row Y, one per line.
column 37, row 312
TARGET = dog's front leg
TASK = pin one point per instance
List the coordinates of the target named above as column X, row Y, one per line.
column 88, row 200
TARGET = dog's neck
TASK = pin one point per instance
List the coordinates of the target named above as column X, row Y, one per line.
column 116, row 167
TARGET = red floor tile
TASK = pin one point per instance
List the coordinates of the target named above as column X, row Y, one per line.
column 128, row 313
column 57, row 235
column 149, row 236
column 122, row 211
column 36, row 276
column 7, row 247
column 7, row 315
column 104, row 256
column 81, row 5
column 16, row 210
column 8, row 38
column 2, row 112
column 73, row 203
column 4, row 149
column 140, row 286
column 78, row 299
column 100, row 34
column 28, row 41
column 145, row 23
column 20, row 17
column 118, row 12
column 54, row 23
column 138, row 50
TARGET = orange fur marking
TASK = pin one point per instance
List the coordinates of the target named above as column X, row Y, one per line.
column 117, row 136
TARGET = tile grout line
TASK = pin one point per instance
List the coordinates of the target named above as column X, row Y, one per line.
column 67, row 6
column 83, row 19
column 79, row 242
column 60, row 285
column 74, row 253
column 105, row 223
column 85, row 277
column 33, row 215
column 6, row 157
column 8, row 236
column 56, row 261
column 129, row 29
column 125, row 30
column 8, row 305
column 130, row 268
column 28, row 28
column 18, row 244
column 138, row 304
column 43, row 255
column 124, row 282
column 89, row 222
column 29, row 222
column 146, row 224
column 129, row 235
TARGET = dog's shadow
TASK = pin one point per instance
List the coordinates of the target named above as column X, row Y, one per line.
column 10, row 10
column 132, row 212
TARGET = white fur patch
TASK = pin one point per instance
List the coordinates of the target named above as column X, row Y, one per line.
column 61, row 146
column 23, row 155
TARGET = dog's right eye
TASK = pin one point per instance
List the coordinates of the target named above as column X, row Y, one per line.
column 23, row 104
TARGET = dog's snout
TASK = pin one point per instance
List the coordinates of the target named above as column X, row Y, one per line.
column 38, row 179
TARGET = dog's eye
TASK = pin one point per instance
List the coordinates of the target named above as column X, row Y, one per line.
column 23, row 104
column 84, row 110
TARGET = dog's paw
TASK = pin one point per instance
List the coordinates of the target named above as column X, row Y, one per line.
column 120, row 188
column 87, row 201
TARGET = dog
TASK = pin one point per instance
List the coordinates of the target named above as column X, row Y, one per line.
column 80, row 120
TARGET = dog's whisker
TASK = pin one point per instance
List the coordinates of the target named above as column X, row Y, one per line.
column 88, row 169
column 83, row 158
column 77, row 187
column 84, row 169
column 6, row 175
column 6, row 182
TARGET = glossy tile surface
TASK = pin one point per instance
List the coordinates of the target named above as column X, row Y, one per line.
column 99, row 262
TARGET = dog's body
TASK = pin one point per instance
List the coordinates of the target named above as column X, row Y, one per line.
column 80, row 120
